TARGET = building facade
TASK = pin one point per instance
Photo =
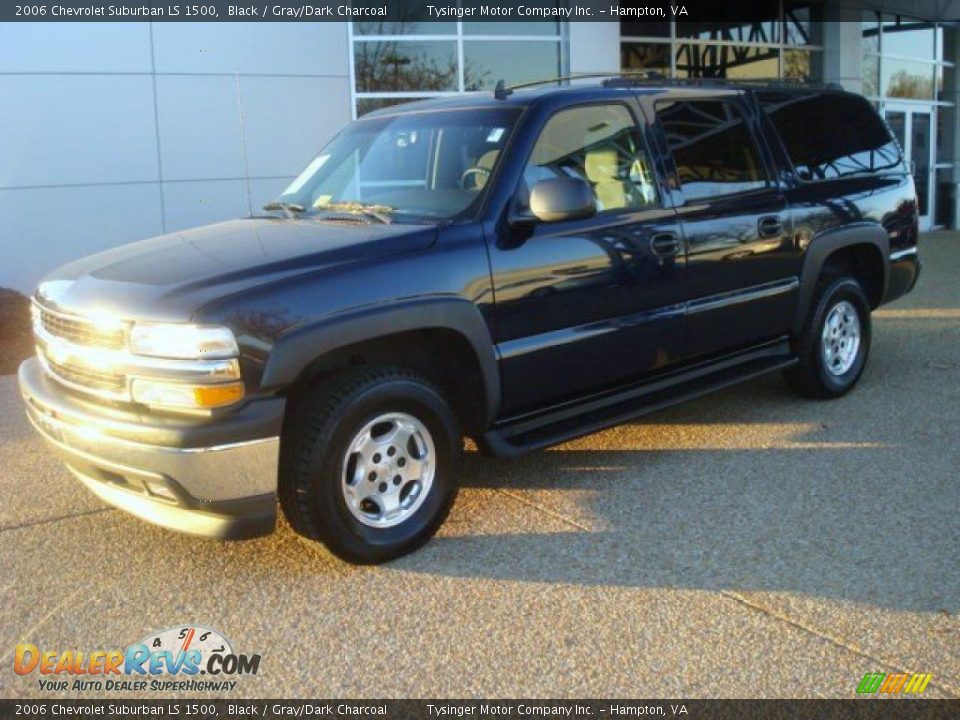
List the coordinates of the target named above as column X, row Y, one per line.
column 112, row 132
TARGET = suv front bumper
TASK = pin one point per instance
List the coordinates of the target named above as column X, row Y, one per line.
column 212, row 477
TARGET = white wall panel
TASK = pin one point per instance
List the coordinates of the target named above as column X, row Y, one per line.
column 69, row 129
column 42, row 229
column 251, row 47
column 189, row 204
column 199, row 121
column 287, row 120
column 75, row 47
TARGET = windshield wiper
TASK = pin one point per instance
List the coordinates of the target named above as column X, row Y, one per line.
column 290, row 210
column 377, row 212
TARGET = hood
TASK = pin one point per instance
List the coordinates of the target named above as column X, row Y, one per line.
column 167, row 278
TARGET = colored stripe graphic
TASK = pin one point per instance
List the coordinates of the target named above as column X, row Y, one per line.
column 894, row 683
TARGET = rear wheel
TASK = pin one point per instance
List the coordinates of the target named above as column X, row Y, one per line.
column 835, row 342
column 369, row 463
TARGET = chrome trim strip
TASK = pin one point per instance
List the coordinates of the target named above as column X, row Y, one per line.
column 518, row 347
column 900, row 254
column 522, row 346
column 736, row 297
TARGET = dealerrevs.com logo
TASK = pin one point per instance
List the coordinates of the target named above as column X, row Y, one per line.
column 187, row 658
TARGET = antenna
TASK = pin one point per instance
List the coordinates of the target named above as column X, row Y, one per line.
column 501, row 91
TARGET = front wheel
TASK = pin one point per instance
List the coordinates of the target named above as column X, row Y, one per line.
column 835, row 342
column 369, row 463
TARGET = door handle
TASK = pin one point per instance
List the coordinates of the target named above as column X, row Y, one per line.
column 665, row 244
column 770, row 226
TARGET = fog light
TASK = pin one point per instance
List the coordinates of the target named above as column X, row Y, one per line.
column 183, row 395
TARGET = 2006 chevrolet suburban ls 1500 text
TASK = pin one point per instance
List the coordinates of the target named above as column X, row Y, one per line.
column 520, row 268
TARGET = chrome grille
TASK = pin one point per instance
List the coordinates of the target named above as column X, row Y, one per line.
column 82, row 332
column 87, row 379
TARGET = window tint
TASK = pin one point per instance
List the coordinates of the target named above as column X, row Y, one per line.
column 714, row 151
column 830, row 135
column 599, row 144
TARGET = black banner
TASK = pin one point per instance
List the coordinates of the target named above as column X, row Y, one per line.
column 864, row 709
column 381, row 10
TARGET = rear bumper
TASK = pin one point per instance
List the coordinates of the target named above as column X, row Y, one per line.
column 216, row 478
column 904, row 271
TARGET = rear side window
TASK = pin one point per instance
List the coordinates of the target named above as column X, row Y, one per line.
column 831, row 135
column 714, row 150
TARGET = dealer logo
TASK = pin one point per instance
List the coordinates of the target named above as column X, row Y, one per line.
column 184, row 653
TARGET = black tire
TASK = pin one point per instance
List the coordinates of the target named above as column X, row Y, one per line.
column 811, row 377
column 317, row 438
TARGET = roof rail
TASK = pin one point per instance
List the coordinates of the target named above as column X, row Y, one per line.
column 503, row 91
column 640, row 78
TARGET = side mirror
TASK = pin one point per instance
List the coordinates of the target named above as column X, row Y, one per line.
column 560, row 199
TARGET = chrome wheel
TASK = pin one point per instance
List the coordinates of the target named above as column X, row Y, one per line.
column 388, row 470
column 840, row 340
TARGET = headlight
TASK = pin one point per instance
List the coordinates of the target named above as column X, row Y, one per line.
column 156, row 393
column 187, row 342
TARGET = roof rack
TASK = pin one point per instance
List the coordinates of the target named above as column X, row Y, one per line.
column 641, row 78
column 502, row 91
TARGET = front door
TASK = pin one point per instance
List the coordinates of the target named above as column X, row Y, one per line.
column 912, row 126
column 741, row 263
column 584, row 305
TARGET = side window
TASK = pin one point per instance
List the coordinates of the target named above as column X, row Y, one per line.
column 600, row 144
column 714, row 150
column 831, row 135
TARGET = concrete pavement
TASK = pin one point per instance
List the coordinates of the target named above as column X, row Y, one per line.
column 746, row 544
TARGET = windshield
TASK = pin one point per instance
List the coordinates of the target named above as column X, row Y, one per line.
column 416, row 167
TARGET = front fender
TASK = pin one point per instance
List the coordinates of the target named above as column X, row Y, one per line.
column 828, row 242
column 299, row 347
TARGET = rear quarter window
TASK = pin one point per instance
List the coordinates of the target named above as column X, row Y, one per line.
column 831, row 135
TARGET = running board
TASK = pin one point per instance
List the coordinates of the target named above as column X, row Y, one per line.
column 521, row 435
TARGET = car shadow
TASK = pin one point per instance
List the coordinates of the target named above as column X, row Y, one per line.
column 672, row 504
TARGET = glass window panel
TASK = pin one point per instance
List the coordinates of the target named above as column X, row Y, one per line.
column 645, row 56
column 713, row 149
column 907, row 79
column 727, row 61
column 601, row 145
column 802, row 23
column 870, row 75
column 403, row 65
column 908, row 37
column 486, row 61
column 945, row 133
column 765, row 27
column 821, row 148
column 897, row 122
column 423, row 165
column 631, row 28
column 870, row 28
column 367, row 105
column 945, row 198
column 411, row 17
column 920, row 156
column 802, row 64
column 511, row 28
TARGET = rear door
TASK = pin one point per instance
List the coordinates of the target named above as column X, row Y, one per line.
column 583, row 305
column 741, row 270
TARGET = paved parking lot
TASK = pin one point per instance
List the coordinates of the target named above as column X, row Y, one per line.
column 749, row 543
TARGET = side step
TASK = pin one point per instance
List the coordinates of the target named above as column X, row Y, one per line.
column 521, row 435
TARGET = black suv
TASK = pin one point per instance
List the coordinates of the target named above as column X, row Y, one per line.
column 520, row 268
